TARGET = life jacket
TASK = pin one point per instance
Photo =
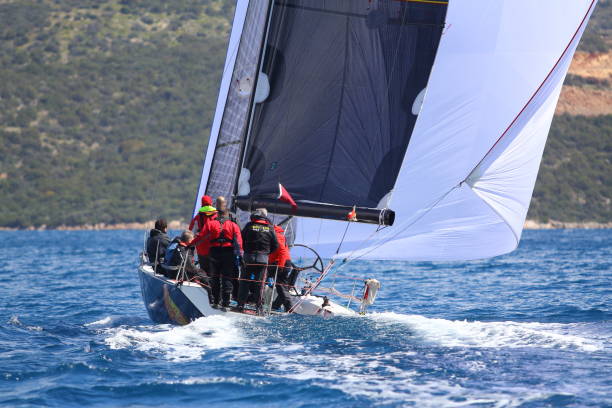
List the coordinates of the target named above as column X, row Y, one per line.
column 227, row 227
column 223, row 238
column 259, row 238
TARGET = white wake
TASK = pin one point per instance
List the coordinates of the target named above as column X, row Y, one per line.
column 176, row 343
column 458, row 333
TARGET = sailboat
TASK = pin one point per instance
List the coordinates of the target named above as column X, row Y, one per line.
column 404, row 130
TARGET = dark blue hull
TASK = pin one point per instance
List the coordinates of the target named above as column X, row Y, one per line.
column 166, row 303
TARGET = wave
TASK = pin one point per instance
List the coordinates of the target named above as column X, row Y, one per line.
column 116, row 321
column 456, row 333
column 14, row 320
column 381, row 377
column 176, row 343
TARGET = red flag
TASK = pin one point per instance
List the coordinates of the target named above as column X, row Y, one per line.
column 284, row 195
column 352, row 216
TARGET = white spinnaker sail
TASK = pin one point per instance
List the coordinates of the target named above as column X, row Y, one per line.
column 466, row 182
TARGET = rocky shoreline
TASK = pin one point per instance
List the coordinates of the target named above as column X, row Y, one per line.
column 536, row 225
column 179, row 224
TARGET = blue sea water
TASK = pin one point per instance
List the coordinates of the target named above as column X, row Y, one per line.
column 530, row 329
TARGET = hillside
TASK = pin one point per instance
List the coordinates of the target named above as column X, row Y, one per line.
column 105, row 110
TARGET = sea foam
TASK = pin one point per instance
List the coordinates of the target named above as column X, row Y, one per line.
column 462, row 333
column 178, row 343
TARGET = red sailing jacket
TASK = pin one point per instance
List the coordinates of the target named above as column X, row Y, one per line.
column 208, row 230
column 229, row 233
column 282, row 254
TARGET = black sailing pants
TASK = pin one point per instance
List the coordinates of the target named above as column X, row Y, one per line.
column 250, row 283
column 222, row 270
column 204, row 263
column 282, row 288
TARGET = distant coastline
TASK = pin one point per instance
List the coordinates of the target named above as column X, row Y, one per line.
column 537, row 225
column 179, row 224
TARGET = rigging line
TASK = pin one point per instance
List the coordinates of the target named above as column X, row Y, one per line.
column 348, row 224
column 349, row 257
column 313, row 286
column 233, row 58
column 246, row 132
column 346, row 260
column 397, row 48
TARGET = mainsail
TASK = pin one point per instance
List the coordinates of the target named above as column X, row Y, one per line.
column 220, row 170
column 438, row 111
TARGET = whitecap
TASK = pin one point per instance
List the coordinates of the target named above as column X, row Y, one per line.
column 458, row 333
column 178, row 343
column 14, row 320
column 102, row 322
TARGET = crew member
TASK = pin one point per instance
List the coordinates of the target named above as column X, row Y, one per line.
column 224, row 251
column 157, row 243
column 180, row 255
column 223, row 214
column 280, row 261
column 221, row 204
column 205, row 214
column 259, row 242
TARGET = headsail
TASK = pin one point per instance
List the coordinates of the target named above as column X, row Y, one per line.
column 469, row 172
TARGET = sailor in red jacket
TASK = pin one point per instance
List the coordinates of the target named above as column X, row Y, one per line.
column 206, row 213
column 224, row 253
column 280, row 257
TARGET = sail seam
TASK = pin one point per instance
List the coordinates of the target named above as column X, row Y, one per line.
column 516, row 118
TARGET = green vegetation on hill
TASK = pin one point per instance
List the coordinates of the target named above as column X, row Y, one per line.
column 105, row 109
column 575, row 182
column 106, row 106
column 598, row 34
